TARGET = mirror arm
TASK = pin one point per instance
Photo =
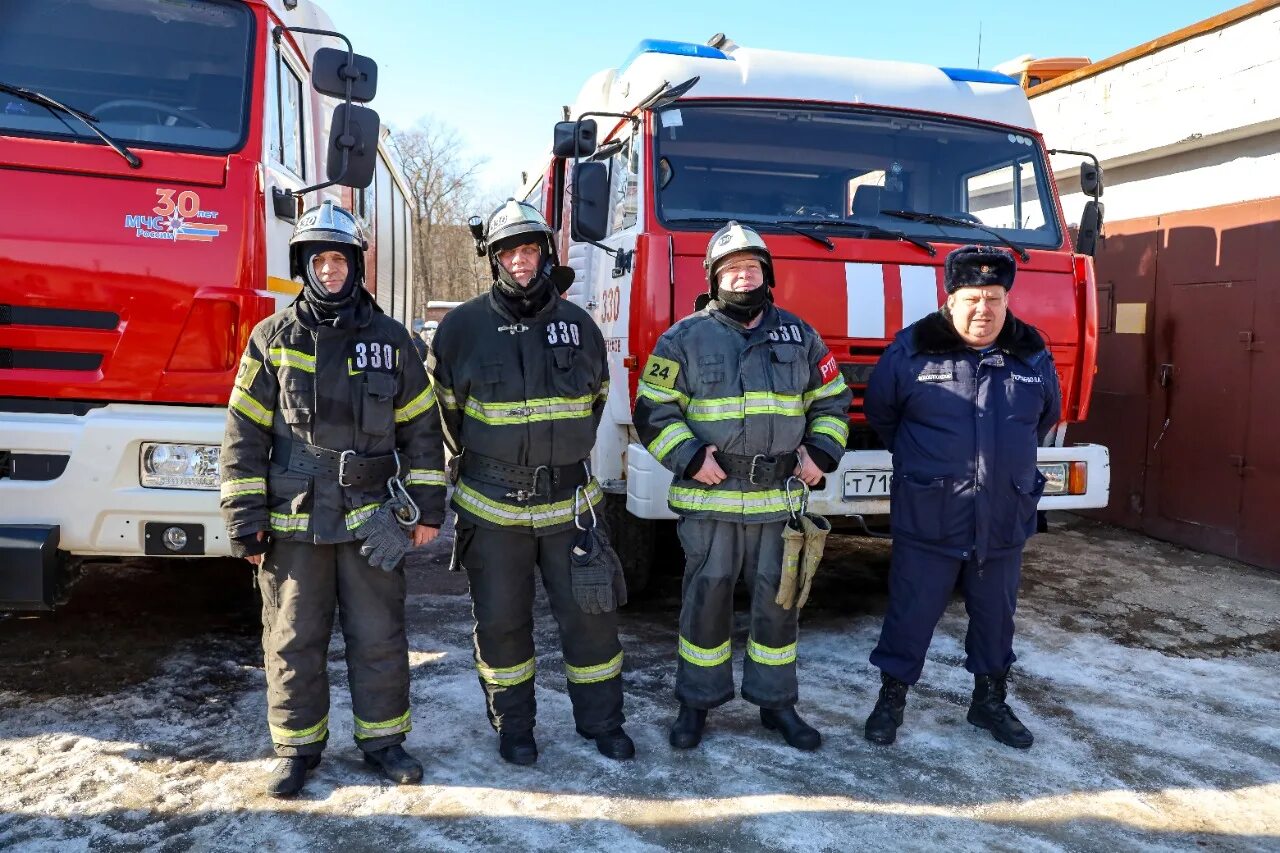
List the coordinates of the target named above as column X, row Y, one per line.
column 1096, row 165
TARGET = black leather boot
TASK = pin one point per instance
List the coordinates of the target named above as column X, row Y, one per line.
column 686, row 731
column 396, row 764
column 518, row 747
column 289, row 774
column 615, row 744
column 795, row 731
column 989, row 711
column 882, row 725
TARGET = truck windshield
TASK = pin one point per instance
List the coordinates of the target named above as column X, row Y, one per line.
column 168, row 74
column 834, row 165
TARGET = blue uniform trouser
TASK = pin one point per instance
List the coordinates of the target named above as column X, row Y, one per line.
column 920, row 584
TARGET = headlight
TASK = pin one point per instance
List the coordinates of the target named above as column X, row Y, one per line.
column 179, row 466
column 1065, row 478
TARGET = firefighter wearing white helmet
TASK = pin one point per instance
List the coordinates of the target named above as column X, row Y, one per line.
column 523, row 376
column 329, row 404
column 739, row 400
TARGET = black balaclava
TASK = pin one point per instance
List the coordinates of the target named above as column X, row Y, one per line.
column 526, row 301
column 336, row 308
column 743, row 306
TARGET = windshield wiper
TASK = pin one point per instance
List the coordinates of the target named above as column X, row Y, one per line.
column 87, row 119
column 873, row 230
column 768, row 223
column 940, row 219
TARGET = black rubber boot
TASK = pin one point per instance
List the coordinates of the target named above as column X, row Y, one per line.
column 882, row 725
column 518, row 747
column 686, row 731
column 795, row 731
column 615, row 744
column 289, row 774
column 989, row 711
column 396, row 764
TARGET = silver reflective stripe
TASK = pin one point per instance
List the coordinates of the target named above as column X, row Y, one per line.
column 698, row 656
column 364, row 730
column 300, row 737
column 592, row 674
column 359, row 516
column 290, row 523
column 419, row 404
column 424, row 477
column 770, row 656
column 511, row 515
column 507, row 676
column 243, row 486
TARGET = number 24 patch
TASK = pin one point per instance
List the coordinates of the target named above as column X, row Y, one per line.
column 661, row 372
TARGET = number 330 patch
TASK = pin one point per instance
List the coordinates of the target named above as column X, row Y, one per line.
column 562, row 333
column 373, row 355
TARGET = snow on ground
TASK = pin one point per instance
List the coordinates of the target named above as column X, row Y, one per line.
column 1148, row 673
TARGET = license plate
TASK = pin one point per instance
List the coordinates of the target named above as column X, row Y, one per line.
column 866, row 484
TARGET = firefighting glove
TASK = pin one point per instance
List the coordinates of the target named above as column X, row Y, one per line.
column 792, row 543
column 816, row 529
column 385, row 539
column 596, row 573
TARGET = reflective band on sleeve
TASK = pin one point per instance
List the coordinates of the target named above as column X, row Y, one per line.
column 419, row 404
column 285, row 357
column 770, row 656
column 286, row 523
column 671, row 437
column 516, row 412
column 698, row 656
column 520, row 515
column 447, row 398
column 831, row 389
column 507, row 676
column 725, row 500
column 243, row 486
column 364, row 730
column 359, row 516
column 300, row 737
column 592, row 674
column 836, row 428
column 250, row 408
column 424, row 477
column 603, row 394
column 661, row 395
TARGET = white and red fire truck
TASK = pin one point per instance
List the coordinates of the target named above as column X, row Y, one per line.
column 861, row 175
column 147, row 149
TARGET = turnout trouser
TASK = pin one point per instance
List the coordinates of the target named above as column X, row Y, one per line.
column 921, row 583
column 716, row 553
column 301, row 583
column 500, row 567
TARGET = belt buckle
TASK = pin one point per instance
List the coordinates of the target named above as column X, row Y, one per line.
column 342, row 468
column 537, row 475
column 755, row 462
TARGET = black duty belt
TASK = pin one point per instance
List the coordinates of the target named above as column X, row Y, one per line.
column 525, row 481
column 758, row 470
column 346, row 466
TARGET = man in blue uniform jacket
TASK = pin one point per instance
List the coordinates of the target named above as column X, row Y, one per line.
column 962, row 398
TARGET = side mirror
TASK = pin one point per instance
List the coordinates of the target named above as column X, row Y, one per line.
column 353, row 155
column 575, row 138
column 1090, row 228
column 330, row 72
column 1091, row 179
column 590, row 220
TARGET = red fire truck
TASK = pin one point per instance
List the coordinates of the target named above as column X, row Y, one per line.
column 861, row 175
column 150, row 151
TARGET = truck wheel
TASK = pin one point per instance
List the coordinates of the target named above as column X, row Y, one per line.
column 633, row 539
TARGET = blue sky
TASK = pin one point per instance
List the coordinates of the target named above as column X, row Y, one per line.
column 498, row 72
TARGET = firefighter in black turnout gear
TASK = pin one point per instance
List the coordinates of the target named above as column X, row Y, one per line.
column 522, row 378
column 739, row 401
column 330, row 418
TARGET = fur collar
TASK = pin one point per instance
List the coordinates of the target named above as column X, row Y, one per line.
column 935, row 335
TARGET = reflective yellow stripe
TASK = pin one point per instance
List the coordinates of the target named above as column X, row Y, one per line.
column 419, row 404
column 299, row 737
column 593, row 674
column 603, row 393
column 529, row 411
column 770, row 656
column 724, row 500
column 365, row 730
column 285, row 357
column 448, row 399
column 250, row 408
column 424, row 477
column 674, row 435
column 831, row 389
column 698, row 656
column 507, row 676
column 519, row 515
column 661, row 395
column 751, row 403
column 287, row 523
column 359, row 516
column 836, row 428
column 243, row 486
